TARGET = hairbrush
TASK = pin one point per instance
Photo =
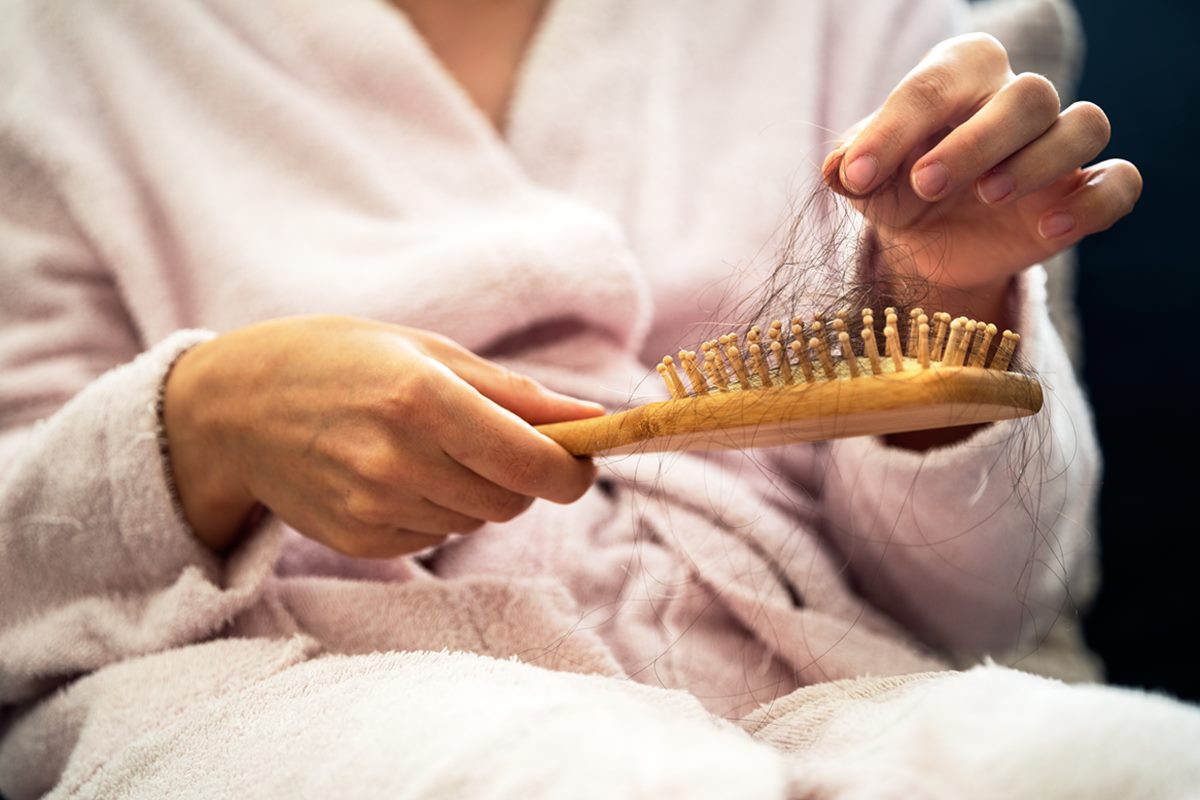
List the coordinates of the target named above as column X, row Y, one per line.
column 762, row 389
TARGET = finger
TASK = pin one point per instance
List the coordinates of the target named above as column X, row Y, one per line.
column 1109, row 191
column 525, row 397
column 956, row 78
column 1079, row 135
column 1020, row 112
column 380, row 543
column 497, row 445
column 370, row 505
column 454, row 487
column 358, row 540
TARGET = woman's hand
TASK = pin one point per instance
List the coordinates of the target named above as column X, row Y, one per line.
column 374, row 439
column 969, row 173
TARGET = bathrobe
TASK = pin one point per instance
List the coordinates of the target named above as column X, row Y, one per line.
column 175, row 170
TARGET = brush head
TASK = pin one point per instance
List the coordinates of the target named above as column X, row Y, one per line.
column 765, row 388
column 829, row 352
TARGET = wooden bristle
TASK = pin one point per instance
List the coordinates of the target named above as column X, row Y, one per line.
column 983, row 343
column 718, row 374
column 760, row 364
column 848, row 353
column 662, row 372
column 785, row 364
column 699, row 385
column 739, row 366
column 767, row 358
column 872, row 351
column 977, row 329
column 964, row 344
column 715, row 370
column 956, row 330
column 671, row 377
column 910, row 345
column 1004, row 353
column 802, row 359
column 939, row 338
column 819, row 347
column 893, row 346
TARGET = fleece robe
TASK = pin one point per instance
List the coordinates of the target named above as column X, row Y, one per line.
column 176, row 170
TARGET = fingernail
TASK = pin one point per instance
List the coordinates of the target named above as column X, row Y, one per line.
column 931, row 180
column 1057, row 224
column 995, row 187
column 860, row 172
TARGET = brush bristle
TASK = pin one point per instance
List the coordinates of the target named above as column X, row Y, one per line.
column 821, row 351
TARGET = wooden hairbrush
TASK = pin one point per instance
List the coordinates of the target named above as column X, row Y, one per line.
column 761, row 390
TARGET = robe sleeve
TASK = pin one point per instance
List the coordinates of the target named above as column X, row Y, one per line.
column 96, row 565
column 979, row 547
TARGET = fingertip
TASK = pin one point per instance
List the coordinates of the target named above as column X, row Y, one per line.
column 930, row 181
column 859, row 174
column 590, row 407
column 832, row 168
column 562, row 408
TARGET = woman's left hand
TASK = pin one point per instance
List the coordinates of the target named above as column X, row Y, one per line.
column 970, row 173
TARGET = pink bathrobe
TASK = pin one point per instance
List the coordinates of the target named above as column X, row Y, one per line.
column 171, row 170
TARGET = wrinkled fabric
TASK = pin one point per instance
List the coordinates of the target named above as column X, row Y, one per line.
column 178, row 170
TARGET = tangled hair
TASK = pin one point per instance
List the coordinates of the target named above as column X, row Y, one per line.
column 823, row 265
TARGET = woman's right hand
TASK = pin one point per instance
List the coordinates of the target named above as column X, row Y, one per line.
column 376, row 440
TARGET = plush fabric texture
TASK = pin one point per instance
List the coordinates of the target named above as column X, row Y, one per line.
column 175, row 170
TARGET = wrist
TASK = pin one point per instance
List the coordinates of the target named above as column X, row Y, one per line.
column 213, row 499
column 896, row 280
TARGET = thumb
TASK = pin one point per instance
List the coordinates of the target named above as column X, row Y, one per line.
column 528, row 399
column 520, row 394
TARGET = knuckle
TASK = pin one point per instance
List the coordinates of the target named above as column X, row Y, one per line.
column 989, row 50
column 1037, row 92
column 982, row 50
column 442, row 345
column 519, row 382
column 366, row 508
column 892, row 138
column 376, row 463
column 932, row 89
column 414, row 399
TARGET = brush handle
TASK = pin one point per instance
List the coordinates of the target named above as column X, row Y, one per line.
column 805, row 412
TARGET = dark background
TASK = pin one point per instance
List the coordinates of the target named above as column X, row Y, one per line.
column 1137, row 285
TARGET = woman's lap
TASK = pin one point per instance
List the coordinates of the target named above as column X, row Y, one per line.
column 276, row 718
